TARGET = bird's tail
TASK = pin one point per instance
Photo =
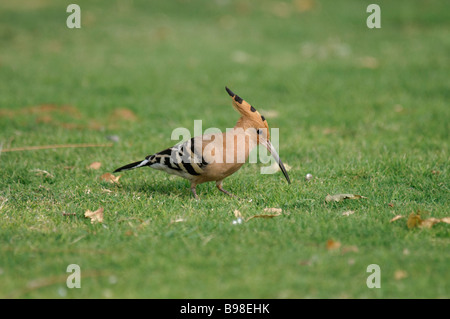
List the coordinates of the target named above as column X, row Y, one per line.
column 132, row 165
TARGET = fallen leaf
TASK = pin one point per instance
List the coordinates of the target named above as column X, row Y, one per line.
column 108, row 177
column 391, row 205
column 414, row 220
column 304, row 5
column 398, row 108
column 237, row 214
column 368, row 62
column 429, row 222
column 341, row 197
column 44, row 119
column 333, row 245
column 330, row 130
column 96, row 216
column 400, row 274
column 123, row 114
column 349, row 249
column 95, row 165
column 348, row 213
column 396, row 218
column 305, row 263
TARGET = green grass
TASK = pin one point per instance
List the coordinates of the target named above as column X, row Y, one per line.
column 364, row 111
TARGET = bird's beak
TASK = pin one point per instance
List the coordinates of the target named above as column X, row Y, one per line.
column 275, row 155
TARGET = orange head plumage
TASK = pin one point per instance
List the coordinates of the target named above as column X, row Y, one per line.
column 251, row 118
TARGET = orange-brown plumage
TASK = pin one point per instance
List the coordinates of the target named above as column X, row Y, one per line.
column 214, row 157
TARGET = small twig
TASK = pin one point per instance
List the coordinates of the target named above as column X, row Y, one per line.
column 44, row 147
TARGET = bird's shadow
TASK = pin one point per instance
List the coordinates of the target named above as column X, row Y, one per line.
column 178, row 188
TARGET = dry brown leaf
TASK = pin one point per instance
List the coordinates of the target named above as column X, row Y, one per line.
column 348, row 213
column 330, row 130
column 96, row 216
column 400, row 274
column 333, row 245
column 95, row 165
column 108, row 177
column 44, row 119
column 123, row 114
column 429, row 222
column 396, row 218
column 304, row 5
column 414, row 220
column 341, row 197
column 349, row 249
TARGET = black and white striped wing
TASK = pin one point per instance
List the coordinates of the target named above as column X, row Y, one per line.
column 184, row 159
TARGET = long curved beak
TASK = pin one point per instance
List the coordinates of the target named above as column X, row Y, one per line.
column 275, row 155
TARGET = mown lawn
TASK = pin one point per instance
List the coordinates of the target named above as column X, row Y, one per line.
column 365, row 111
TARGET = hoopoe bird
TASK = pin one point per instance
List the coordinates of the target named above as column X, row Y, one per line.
column 213, row 157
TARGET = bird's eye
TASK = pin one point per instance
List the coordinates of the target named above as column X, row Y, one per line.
column 259, row 131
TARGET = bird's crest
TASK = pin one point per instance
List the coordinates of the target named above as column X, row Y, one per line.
column 250, row 117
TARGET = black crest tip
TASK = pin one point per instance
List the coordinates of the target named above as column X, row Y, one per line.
column 229, row 92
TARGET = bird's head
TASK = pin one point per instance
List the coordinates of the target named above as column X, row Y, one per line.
column 253, row 120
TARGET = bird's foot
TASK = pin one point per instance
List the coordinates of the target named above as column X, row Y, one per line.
column 227, row 192
column 195, row 193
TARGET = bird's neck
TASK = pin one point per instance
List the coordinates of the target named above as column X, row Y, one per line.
column 242, row 123
column 243, row 134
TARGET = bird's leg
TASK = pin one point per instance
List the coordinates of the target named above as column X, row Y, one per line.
column 219, row 186
column 194, row 191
